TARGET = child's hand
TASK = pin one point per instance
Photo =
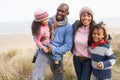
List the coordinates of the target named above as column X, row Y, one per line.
column 49, row 49
column 99, row 65
column 42, row 38
column 45, row 49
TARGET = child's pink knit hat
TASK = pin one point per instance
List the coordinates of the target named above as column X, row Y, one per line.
column 40, row 15
column 86, row 10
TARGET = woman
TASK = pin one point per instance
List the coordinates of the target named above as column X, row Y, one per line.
column 81, row 57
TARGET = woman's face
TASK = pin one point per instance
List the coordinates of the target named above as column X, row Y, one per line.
column 86, row 19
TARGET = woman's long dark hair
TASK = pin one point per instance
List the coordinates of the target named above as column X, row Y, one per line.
column 92, row 25
column 35, row 27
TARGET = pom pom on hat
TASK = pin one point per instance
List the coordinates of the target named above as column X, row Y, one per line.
column 86, row 10
column 40, row 15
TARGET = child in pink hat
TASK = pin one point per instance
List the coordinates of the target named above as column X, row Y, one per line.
column 40, row 30
column 41, row 33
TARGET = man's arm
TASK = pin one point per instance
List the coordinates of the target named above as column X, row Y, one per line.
column 68, row 42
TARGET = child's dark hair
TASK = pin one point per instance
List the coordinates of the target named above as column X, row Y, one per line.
column 35, row 27
column 100, row 25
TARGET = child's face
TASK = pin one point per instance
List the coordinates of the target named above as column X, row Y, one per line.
column 98, row 34
column 45, row 22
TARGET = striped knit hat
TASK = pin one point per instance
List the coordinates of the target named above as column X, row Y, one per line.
column 86, row 10
column 41, row 15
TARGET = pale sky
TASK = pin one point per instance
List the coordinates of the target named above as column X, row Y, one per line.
column 23, row 10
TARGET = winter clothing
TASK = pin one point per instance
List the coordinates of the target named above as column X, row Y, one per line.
column 61, row 43
column 104, row 54
column 44, row 32
column 53, row 25
column 86, row 10
column 81, row 57
column 40, row 15
column 80, row 41
column 63, row 35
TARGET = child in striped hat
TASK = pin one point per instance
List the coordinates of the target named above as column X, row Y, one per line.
column 40, row 30
column 41, row 33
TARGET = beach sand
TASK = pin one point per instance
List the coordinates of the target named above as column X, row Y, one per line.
column 114, row 30
column 23, row 41
column 16, row 41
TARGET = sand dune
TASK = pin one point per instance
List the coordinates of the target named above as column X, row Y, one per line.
column 16, row 41
column 115, row 30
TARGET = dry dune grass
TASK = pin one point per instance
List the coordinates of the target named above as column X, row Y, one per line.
column 15, row 64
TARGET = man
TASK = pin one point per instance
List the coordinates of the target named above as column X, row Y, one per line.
column 61, row 38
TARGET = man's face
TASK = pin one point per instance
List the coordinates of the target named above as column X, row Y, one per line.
column 62, row 12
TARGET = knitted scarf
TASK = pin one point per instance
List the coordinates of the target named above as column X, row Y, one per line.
column 93, row 45
column 56, row 24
